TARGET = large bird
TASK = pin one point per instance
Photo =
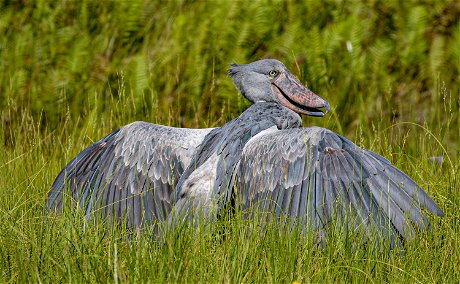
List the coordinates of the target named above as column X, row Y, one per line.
column 263, row 159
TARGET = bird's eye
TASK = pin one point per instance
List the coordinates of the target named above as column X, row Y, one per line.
column 273, row 73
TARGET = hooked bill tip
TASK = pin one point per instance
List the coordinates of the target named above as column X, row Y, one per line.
column 327, row 107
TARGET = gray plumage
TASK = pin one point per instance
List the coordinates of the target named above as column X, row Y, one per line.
column 224, row 146
column 129, row 174
column 313, row 174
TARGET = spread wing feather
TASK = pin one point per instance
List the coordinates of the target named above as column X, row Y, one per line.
column 323, row 179
column 129, row 174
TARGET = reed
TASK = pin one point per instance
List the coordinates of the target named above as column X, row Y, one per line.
column 73, row 71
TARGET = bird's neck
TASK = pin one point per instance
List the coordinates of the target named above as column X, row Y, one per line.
column 281, row 116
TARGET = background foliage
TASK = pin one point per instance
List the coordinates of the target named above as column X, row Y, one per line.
column 72, row 71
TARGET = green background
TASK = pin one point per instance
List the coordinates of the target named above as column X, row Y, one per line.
column 73, row 71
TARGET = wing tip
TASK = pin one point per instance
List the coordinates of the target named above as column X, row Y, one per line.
column 437, row 211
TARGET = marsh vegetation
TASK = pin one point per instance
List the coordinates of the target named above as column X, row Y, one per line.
column 73, row 71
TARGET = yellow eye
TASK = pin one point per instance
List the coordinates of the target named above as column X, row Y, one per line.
column 273, row 73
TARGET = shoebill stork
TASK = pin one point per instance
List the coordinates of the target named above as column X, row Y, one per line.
column 262, row 159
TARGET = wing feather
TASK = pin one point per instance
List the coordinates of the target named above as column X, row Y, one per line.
column 128, row 175
column 336, row 181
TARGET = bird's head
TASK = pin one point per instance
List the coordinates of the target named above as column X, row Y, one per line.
column 270, row 81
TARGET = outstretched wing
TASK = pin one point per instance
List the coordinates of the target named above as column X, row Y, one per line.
column 318, row 176
column 129, row 174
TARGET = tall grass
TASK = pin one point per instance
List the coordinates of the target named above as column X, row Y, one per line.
column 72, row 71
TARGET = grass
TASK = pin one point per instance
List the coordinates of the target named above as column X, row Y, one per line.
column 74, row 71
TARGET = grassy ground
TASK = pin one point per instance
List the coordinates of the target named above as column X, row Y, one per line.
column 71, row 72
